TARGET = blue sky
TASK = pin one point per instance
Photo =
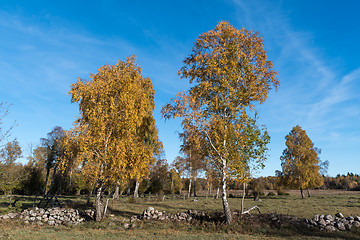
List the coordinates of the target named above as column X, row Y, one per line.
column 46, row 45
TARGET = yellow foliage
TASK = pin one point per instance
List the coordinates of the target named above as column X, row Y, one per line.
column 300, row 164
column 115, row 137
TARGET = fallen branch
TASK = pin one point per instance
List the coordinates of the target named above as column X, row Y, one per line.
column 252, row 208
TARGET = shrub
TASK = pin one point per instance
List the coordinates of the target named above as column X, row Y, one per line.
column 271, row 194
column 281, row 193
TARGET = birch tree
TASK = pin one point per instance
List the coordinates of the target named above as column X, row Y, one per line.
column 229, row 73
column 300, row 162
column 115, row 135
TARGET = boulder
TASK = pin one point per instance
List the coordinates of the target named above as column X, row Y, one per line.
column 322, row 223
column 340, row 226
column 328, row 217
column 356, row 224
column 339, row 215
column 348, row 226
column 330, row 228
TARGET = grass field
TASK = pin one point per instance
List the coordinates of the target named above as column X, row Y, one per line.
column 321, row 202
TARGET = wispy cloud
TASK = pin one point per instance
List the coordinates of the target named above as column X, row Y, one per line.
column 313, row 93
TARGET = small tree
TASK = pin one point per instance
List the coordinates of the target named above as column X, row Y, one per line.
column 194, row 155
column 11, row 173
column 299, row 162
column 36, row 172
column 54, row 152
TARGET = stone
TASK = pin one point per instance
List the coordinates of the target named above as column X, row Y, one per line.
column 349, row 218
column 312, row 222
column 340, row 226
column 32, row 213
column 348, row 226
column 357, row 218
column 316, row 218
column 339, row 215
column 12, row 215
column 126, row 225
column 330, row 228
column 321, row 222
column 356, row 224
column 328, row 217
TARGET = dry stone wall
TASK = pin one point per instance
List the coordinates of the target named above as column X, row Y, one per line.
column 333, row 223
column 52, row 216
column 152, row 214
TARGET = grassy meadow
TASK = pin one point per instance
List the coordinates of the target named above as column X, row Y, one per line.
column 321, row 202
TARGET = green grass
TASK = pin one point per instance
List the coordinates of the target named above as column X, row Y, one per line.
column 322, row 202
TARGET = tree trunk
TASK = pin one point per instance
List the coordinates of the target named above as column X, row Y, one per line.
column 136, row 191
column 99, row 205
column 308, row 192
column 116, row 193
column 227, row 212
column 302, row 193
column 195, row 187
column 53, row 179
column 88, row 202
column 243, row 198
column 189, row 191
column 172, row 185
column 217, row 193
column 46, row 180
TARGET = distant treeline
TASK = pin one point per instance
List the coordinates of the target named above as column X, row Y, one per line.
column 30, row 179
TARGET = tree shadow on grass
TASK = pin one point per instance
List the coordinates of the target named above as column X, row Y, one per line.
column 162, row 205
column 122, row 213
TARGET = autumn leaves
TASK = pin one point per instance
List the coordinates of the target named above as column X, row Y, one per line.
column 230, row 73
column 115, row 137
